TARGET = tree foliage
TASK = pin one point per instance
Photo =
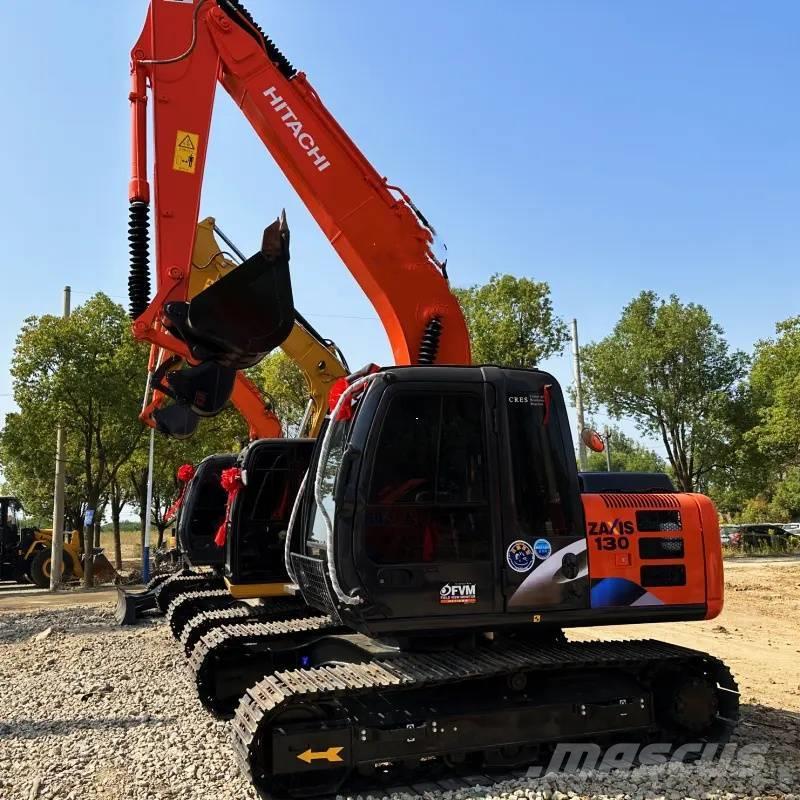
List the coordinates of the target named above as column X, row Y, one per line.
column 84, row 372
column 667, row 366
column 627, row 455
column 767, row 485
column 511, row 321
column 285, row 385
column 88, row 372
column 775, row 382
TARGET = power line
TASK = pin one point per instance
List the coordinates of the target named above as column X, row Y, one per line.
column 373, row 318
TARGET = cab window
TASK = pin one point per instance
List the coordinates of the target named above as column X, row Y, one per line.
column 541, row 481
column 329, row 470
column 427, row 496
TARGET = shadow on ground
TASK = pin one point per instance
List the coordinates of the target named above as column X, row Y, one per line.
column 31, row 729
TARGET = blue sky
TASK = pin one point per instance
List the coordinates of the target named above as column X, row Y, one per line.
column 605, row 147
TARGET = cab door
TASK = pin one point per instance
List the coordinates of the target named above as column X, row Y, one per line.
column 426, row 537
column 544, row 557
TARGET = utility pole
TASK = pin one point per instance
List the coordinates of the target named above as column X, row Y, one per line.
column 57, row 546
column 608, row 448
column 576, row 369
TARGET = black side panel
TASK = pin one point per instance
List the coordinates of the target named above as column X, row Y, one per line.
column 624, row 482
column 202, row 512
column 274, row 469
column 666, row 575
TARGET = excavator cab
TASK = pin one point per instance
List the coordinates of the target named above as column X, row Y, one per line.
column 203, row 510
column 11, row 564
column 272, row 470
column 446, row 497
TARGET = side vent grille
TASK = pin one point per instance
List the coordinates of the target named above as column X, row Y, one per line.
column 640, row 501
column 311, row 577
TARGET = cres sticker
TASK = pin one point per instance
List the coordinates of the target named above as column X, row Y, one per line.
column 542, row 548
column 458, row 593
column 519, row 556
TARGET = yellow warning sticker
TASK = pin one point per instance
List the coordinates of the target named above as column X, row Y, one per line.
column 185, row 158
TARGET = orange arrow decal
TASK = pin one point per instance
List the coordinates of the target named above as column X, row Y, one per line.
column 331, row 754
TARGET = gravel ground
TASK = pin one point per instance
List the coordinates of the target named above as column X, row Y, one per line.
column 91, row 710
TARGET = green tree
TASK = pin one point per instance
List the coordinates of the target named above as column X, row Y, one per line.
column 756, row 509
column 667, row 366
column 761, row 479
column 285, row 385
column 27, row 452
column 627, row 455
column 511, row 321
column 742, row 470
column 86, row 372
column 785, row 504
column 775, row 383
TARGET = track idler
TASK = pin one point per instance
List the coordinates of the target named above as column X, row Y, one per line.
column 229, row 659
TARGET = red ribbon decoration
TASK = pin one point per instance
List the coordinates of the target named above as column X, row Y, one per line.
column 338, row 388
column 231, row 482
column 546, row 392
column 185, row 474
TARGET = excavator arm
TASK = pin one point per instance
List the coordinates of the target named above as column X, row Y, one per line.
column 184, row 49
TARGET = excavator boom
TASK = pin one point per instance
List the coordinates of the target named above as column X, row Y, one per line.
column 386, row 243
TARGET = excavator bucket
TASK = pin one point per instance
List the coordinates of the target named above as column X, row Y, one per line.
column 102, row 569
column 178, row 421
column 133, row 605
column 205, row 388
column 247, row 313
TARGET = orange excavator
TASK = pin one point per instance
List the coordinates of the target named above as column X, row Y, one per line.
column 442, row 537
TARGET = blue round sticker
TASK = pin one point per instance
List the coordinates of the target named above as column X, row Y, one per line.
column 520, row 556
column 542, row 548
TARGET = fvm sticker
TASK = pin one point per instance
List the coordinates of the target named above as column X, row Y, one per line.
column 463, row 593
column 542, row 548
column 520, row 556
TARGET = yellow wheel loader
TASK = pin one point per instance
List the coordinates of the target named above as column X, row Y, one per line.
column 25, row 553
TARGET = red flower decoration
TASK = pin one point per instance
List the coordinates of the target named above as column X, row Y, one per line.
column 231, row 482
column 338, row 388
column 185, row 473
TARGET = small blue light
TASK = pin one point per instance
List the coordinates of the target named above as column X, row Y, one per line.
column 305, row 661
